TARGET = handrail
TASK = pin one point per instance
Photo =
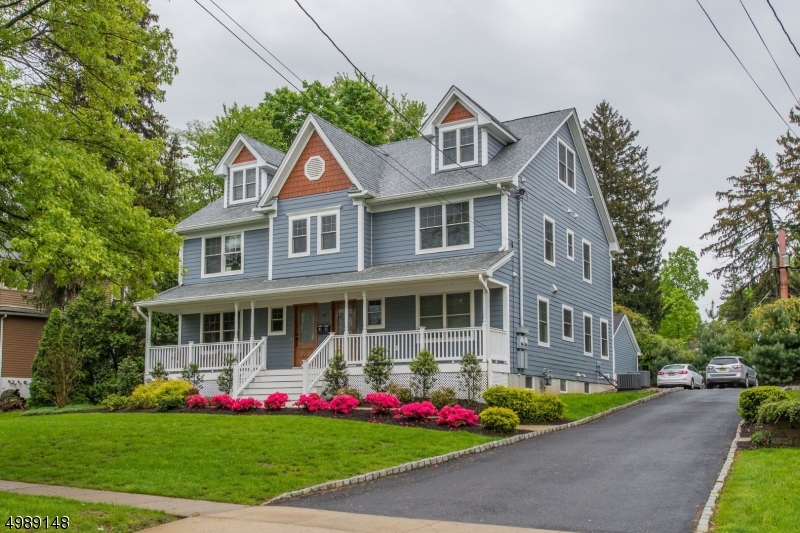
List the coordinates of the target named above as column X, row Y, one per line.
column 317, row 362
column 208, row 356
column 250, row 365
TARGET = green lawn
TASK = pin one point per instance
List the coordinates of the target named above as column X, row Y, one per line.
column 580, row 406
column 239, row 459
column 761, row 494
column 83, row 517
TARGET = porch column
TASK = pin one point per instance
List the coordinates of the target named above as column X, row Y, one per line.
column 235, row 331
column 364, row 326
column 486, row 318
column 346, row 328
column 180, row 327
column 147, row 330
column 252, row 320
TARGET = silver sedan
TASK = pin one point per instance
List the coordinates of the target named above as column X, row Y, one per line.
column 685, row 376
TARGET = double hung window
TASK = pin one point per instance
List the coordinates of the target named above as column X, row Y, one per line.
column 570, row 245
column 375, row 314
column 327, row 233
column 544, row 322
column 445, row 311
column 587, row 334
column 566, row 323
column 222, row 255
column 277, row 320
column 458, row 146
column 604, row 339
column 587, row 261
column 219, row 327
column 299, row 236
column 244, row 184
column 566, row 165
column 444, row 226
column 549, row 241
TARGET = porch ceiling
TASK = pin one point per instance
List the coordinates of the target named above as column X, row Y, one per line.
column 383, row 275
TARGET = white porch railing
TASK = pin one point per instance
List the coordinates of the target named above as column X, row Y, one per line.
column 208, row 356
column 403, row 346
column 249, row 366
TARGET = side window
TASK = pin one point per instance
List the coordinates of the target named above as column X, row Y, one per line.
column 587, row 261
column 587, row 334
column 442, row 227
column 298, row 237
column 328, row 233
column 549, row 231
column 566, row 165
column 570, row 245
column 544, row 322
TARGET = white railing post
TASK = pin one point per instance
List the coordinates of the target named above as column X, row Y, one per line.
column 235, row 380
column 305, row 375
column 346, row 328
column 192, row 355
column 364, row 320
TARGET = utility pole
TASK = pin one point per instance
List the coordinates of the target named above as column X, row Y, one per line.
column 783, row 266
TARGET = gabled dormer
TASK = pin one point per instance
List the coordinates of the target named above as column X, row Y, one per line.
column 247, row 168
column 463, row 133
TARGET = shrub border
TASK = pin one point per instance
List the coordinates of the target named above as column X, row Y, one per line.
column 430, row 461
column 703, row 525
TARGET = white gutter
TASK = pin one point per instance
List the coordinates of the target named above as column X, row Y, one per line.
column 440, row 190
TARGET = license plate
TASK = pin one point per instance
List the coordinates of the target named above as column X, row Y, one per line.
column 722, row 370
column 670, row 373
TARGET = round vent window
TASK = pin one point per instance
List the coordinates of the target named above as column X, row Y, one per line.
column 315, row 166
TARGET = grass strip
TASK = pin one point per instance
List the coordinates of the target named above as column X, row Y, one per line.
column 579, row 406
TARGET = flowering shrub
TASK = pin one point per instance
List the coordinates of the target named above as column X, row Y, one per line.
column 196, row 402
column 456, row 416
column 416, row 411
column 222, row 400
column 382, row 402
column 245, row 404
column 343, row 404
column 311, row 402
column 275, row 401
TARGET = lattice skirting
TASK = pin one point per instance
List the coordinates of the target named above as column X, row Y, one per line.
column 445, row 379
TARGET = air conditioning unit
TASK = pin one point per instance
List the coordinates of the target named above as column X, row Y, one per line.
column 630, row 381
column 645, row 374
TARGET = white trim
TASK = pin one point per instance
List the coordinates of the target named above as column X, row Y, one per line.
column 225, row 190
column 237, row 324
column 305, row 168
column 484, row 147
column 503, row 222
column 232, row 152
column 222, row 271
column 574, row 187
column 444, row 306
column 360, row 262
column 448, row 194
column 180, row 329
column 539, row 300
column 545, row 220
column 571, row 233
column 444, row 248
column 243, row 168
column 444, row 106
column 228, row 230
column 382, row 325
column 433, row 159
column 572, row 324
column 253, row 222
column 290, row 232
column 271, row 244
column 591, row 334
column 458, row 126
column 319, row 216
column 270, row 331
column 313, row 211
column 584, row 242
column 180, row 264
column 608, row 340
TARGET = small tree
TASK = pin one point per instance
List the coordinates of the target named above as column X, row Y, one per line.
column 191, row 373
column 129, row 375
column 424, row 371
column 471, row 376
column 225, row 378
column 335, row 375
column 378, row 369
column 158, row 372
column 57, row 366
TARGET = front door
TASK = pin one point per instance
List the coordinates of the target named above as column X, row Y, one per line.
column 305, row 332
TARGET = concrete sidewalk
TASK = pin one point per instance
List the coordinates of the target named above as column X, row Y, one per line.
column 297, row 520
column 173, row 506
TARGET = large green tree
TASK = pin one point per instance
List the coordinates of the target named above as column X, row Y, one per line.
column 80, row 143
column 629, row 187
column 681, row 285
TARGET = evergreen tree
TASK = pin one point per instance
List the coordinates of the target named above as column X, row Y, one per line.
column 378, row 369
column 335, row 376
column 629, row 187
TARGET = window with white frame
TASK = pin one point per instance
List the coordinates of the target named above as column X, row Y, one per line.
column 587, row 261
column 219, row 327
column 544, row 321
column 328, row 233
column 458, row 145
column 440, row 311
column 442, row 227
column 375, row 314
column 244, row 184
column 587, row 334
column 548, row 235
column 604, row 339
column 567, row 323
column 277, row 320
column 222, row 255
column 566, row 165
column 570, row 245
column 298, row 236
column 563, row 385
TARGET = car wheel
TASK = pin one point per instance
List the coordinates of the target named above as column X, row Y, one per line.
column 691, row 385
column 746, row 381
column 755, row 382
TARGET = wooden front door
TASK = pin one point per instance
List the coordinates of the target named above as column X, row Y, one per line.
column 305, row 332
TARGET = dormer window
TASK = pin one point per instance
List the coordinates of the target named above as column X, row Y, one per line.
column 244, row 184
column 458, row 145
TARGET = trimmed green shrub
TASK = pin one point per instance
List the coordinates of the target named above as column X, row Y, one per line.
column 499, row 419
column 148, row 396
column 191, row 373
column 115, row 402
column 169, row 402
column 761, row 439
column 129, row 375
column 443, row 396
column 350, row 391
column 335, row 375
column 529, row 406
column 470, row 376
column 424, row 371
column 158, row 372
column 403, row 394
column 751, row 399
column 378, row 369
column 772, row 412
column 225, row 377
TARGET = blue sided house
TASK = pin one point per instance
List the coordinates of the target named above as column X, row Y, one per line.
column 479, row 236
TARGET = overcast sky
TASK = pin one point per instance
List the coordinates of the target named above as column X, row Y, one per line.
column 659, row 63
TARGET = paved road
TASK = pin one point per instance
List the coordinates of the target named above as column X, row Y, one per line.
column 644, row 469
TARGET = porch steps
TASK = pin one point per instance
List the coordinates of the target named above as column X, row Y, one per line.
column 289, row 381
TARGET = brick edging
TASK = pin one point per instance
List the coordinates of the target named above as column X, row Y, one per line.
column 703, row 524
column 430, row 461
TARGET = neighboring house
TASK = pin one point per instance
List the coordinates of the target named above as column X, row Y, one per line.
column 496, row 241
column 626, row 349
column 21, row 327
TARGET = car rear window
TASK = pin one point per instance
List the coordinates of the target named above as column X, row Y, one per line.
column 723, row 361
column 673, row 367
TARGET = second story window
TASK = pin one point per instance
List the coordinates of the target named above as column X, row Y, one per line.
column 587, row 261
column 587, row 334
column 222, row 255
column 570, row 245
column 604, row 339
column 328, row 236
column 442, row 227
column 566, row 165
column 244, row 184
column 458, row 147
column 298, row 243
column 549, row 241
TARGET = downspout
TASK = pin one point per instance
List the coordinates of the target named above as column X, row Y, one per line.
column 520, row 196
column 613, row 346
column 2, row 330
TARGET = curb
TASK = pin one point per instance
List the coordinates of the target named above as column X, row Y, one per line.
column 703, row 525
column 430, row 461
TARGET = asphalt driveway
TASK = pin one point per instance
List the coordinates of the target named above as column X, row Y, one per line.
column 644, row 469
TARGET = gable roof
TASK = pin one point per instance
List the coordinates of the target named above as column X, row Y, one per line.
column 265, row 155
column 271, row 155
column 621, row 319
column 485, row 119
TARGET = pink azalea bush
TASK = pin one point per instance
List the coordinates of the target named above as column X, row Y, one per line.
column 196, row 401
column 344, row 404
column 416, row 411
column 245, row 404
column 456, row 416
column 275, row 401
column 222, row 400
column 382, row 402
column 311, row 402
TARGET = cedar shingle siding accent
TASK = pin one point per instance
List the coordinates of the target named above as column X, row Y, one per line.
column 20, row 341
column 458, row 112
column 244, row 156
column 334, row 178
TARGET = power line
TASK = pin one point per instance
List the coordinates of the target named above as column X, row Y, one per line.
column 765, row 46
column 783, row 27
column 247, row 45
column 745, row 68
column 257, row 42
